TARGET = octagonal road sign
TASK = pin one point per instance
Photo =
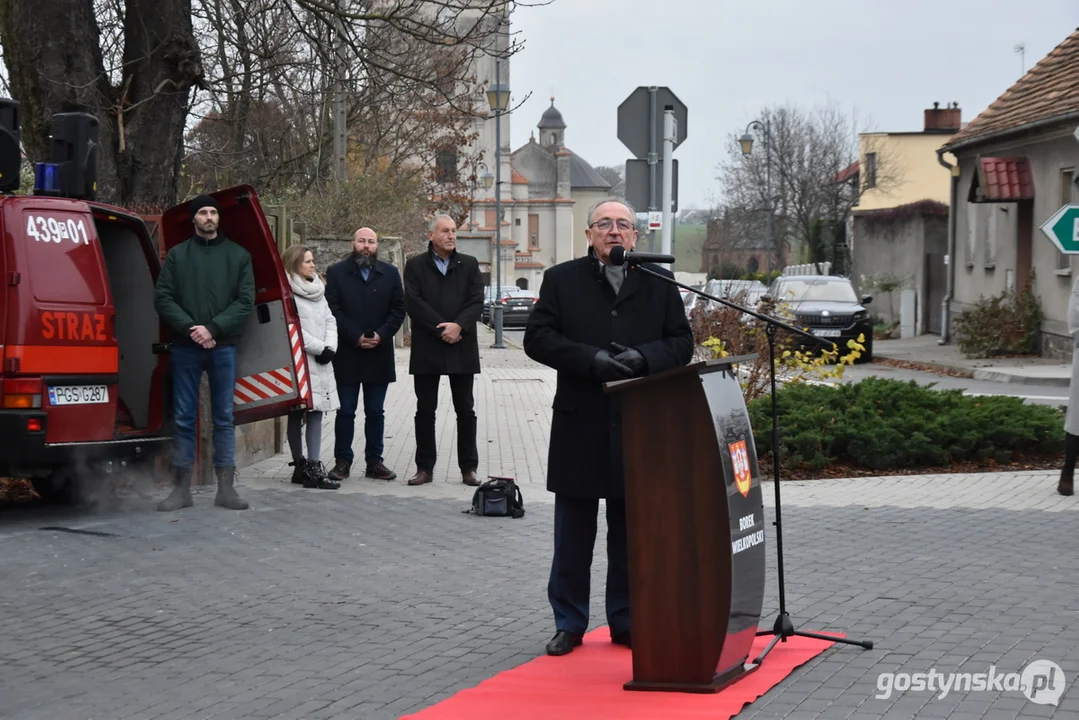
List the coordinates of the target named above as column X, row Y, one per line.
column 636, row 124
column 1063, row 229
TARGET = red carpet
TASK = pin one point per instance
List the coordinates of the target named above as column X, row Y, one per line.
column 587, row 683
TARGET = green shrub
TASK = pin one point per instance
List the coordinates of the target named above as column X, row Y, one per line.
column 1007, row 324
column 888, row 424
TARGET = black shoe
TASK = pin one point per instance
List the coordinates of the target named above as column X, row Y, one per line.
column 316, row 478
column 299, row 468
column 378, row 471
column 563, row 643
column 340, row 470
column 622, row 638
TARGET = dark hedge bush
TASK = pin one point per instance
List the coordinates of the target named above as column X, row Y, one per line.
column 887, row 424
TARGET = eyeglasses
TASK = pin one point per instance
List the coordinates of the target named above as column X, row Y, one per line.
column 606, row 224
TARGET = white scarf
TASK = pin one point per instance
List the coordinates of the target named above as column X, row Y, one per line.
column 307, row 289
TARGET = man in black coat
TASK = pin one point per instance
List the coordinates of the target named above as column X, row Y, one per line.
column 444, row 299
column 368, row 302
column 595, row 323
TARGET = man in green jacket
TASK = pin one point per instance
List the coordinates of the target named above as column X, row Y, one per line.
column 205, row 292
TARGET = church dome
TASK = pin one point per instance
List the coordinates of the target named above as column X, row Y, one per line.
column 552, row 119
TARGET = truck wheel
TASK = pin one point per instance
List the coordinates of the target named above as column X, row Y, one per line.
column 57, row 489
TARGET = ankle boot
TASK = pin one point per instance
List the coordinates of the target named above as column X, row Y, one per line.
column 317, row 479
column 181, row 491
column 299, row 471
column 1067, row 473
column 226, row 493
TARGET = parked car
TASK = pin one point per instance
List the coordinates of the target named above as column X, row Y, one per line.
column 516, row 306
column 828, row 306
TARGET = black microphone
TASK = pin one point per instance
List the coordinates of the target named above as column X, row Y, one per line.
column 619, row 256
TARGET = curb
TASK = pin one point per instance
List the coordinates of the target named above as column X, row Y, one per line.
column 999, row 376
column 1007, row 377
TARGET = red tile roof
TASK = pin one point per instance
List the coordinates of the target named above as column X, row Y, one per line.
column 1049, row 91
column 1003, row 180
column 517, row 178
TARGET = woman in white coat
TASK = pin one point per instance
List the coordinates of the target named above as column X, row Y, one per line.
column 319, row 330
column 1071, row 418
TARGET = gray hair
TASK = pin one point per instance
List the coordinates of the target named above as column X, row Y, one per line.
column 434, row 221
column 613, row 199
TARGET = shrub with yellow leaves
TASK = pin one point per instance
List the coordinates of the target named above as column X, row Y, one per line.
column 720, row 332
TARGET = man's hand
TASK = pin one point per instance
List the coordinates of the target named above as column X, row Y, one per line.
column 451, row 332
column 367, row 343
column 631, row 358
column 202, row 336
column 605, row 368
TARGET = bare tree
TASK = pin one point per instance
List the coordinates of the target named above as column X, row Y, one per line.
column 616, row 176
column 806, row 160
column 252, row 80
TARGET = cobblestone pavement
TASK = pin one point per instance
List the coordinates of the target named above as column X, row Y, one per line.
column 379, row 600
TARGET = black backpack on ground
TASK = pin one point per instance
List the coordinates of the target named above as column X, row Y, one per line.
column 498, row 497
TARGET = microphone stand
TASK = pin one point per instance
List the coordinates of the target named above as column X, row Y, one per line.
column 784, row 626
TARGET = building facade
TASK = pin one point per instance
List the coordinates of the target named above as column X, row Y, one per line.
column 1016, row 165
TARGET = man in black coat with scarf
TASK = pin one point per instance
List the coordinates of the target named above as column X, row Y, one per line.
column 595, row 323
column 366, row 298
column 444, row 299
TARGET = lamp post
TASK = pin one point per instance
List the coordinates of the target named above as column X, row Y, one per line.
column 746, row 141
column 498, row 96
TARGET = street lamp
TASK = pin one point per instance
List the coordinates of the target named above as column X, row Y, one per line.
column 746, row 141
column 498, row 96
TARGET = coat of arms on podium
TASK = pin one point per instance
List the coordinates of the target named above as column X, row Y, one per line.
column 740, row 461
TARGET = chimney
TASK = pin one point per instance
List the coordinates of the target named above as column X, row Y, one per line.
column 947, row 120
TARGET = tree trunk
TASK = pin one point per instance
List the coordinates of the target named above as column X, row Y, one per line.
column 53, row 55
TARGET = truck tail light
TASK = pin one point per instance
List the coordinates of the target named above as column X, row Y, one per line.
column 21, row 393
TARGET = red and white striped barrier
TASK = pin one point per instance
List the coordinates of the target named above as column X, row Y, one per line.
column 279, row 382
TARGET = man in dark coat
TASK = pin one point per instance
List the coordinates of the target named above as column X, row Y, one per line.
column 368, row 302
column 595, row 323
column 444, row 299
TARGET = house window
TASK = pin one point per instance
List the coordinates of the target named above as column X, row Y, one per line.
column 533, row 231
column 446, row 166
column 972, row 232
column 870, row 170
column 1067, row 178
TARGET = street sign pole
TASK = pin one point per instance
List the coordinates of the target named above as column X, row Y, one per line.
column 669, row 135
column 652, row 151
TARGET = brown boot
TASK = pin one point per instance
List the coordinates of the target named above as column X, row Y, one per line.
column 422, row 477
column 469, row 478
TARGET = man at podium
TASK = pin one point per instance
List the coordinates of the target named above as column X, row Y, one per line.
column 595, row 323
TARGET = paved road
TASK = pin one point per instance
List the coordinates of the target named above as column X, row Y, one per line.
column 1037, row 394
column 379, row 599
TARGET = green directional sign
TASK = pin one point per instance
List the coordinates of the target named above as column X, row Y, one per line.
column 1063, row 229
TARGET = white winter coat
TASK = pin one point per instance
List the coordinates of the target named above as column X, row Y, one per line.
column 1071, row 418
column 319, row 329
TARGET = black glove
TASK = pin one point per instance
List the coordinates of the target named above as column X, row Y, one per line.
column 325, row 357
column 606, row 369
column 631, row 358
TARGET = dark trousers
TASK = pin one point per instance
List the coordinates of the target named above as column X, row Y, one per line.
column 374, row 421
column 468, row 456
column 571, row 571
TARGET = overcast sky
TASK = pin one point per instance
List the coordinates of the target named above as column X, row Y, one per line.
column 887, row 60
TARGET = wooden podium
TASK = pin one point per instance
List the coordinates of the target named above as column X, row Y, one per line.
column 695, row 527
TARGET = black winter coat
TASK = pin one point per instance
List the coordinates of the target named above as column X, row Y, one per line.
column 577, row 314
column 432, row 298
column 359, row 305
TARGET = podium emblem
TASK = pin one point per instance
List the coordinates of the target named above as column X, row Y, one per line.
column 740, row 460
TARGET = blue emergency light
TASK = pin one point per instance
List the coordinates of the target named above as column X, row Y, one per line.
column 46, row 178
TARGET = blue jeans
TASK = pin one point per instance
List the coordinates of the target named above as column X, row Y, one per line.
column 187, row 366
column 374, row 426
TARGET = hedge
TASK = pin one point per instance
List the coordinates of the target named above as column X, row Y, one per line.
column 882, row 424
